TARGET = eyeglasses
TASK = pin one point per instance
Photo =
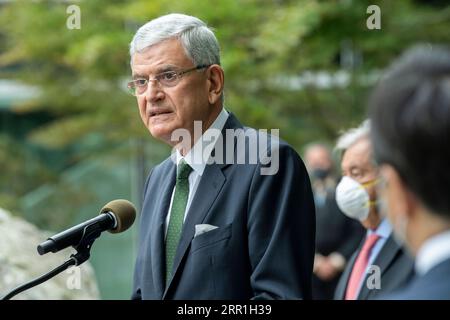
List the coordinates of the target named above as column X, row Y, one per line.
column 167, row 79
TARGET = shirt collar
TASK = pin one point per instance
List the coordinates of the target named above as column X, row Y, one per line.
column 432, row 252
column 199, row 146
column 383, row 230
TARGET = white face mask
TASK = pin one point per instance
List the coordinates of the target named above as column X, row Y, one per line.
column 352, row 198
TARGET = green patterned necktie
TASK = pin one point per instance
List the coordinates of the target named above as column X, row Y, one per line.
column 179, row 203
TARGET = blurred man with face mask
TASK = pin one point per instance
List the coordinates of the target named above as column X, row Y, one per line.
column 337, row 236
column 380, row 264
column 410, row 110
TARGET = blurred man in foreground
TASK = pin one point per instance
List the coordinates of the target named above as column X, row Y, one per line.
column 410, row 112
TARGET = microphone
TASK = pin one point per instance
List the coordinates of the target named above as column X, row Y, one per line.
column 116, row 216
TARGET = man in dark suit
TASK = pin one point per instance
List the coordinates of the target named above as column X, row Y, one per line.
column 380, row 264
column 410, row 112
column 216, row 222
column 337, row 236
column 395, row 270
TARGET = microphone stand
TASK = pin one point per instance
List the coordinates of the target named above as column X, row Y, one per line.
column 83, row 253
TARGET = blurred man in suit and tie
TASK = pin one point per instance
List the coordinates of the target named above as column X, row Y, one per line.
column 337, row 236
column 213, row 226
column 380, row 264
column 410, row 112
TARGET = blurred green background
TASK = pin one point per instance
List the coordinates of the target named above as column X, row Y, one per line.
column 71, row 138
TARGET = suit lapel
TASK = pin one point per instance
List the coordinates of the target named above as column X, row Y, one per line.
column 157, row 237
column 207, row 191
column 383, row 261
column 209, row 187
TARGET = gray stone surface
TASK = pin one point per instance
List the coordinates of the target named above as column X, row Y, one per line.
column 20, row 263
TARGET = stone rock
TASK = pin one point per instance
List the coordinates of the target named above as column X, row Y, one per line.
column 20, row 263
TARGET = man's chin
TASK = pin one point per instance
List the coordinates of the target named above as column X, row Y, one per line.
column 162, row 133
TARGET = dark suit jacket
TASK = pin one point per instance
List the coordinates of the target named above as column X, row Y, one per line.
column 433, row 285
column 396, row 267
column 263, row 248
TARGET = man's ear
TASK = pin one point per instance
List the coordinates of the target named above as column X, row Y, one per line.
column 215, row 83
column 401, row 199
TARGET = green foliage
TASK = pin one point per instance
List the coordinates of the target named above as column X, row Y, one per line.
column 82, row 73
column 19, row 165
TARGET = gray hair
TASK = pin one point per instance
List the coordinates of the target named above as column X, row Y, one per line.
column 351, row 136
column 198, row 41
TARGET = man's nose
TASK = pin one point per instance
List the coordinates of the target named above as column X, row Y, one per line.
column 154, row 91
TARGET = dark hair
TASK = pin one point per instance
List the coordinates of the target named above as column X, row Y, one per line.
column 410, row 114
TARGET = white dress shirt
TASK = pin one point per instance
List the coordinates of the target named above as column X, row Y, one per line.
column 432, row 252
column 197, row 163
